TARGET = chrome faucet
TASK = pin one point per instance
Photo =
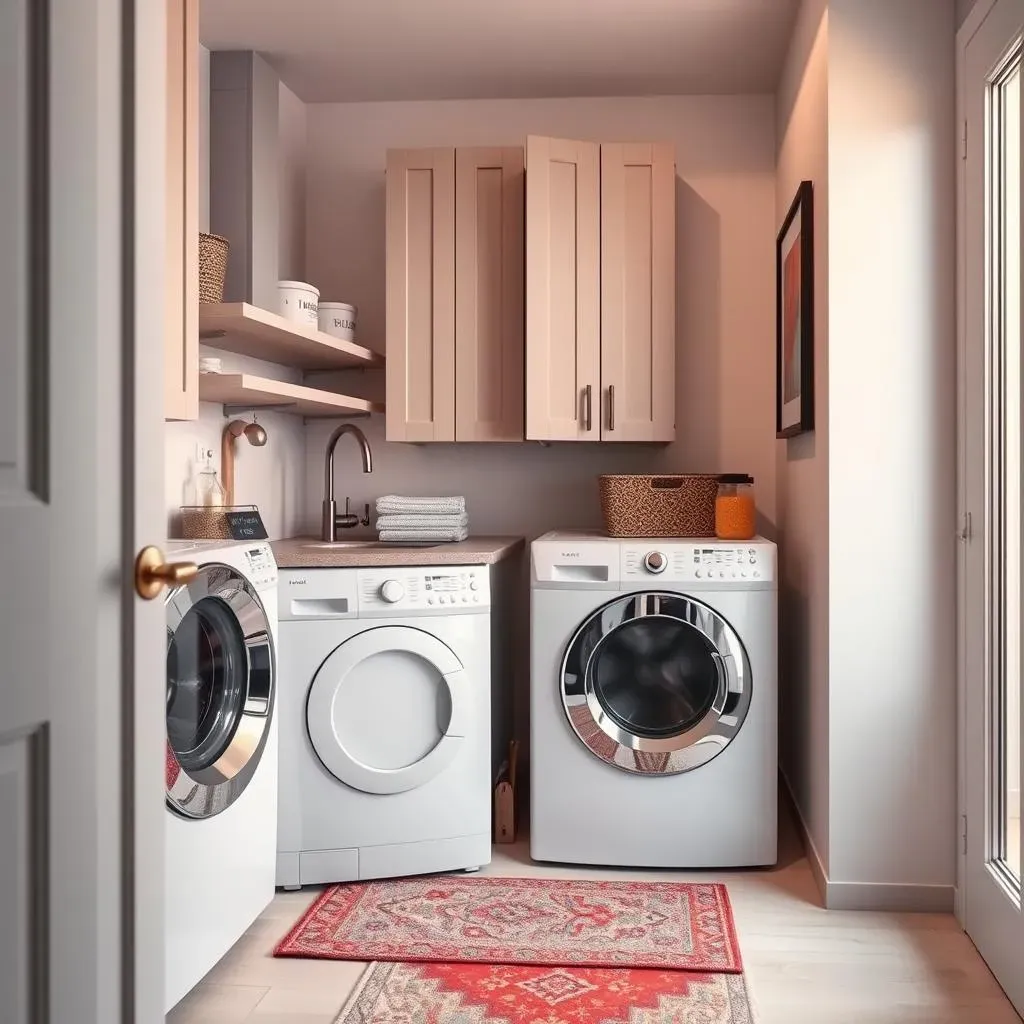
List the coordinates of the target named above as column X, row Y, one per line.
column 331, row 521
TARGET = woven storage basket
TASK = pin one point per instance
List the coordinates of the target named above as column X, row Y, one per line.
column 208, row 522
column 659, row 506
column 213, row 266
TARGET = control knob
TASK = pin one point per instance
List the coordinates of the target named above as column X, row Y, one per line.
column 392, row 591
column 654, row 561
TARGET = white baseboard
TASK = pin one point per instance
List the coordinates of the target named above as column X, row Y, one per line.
column 880, row 896
column 885, row 896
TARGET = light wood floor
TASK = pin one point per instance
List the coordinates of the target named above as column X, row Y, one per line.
column 804, row 965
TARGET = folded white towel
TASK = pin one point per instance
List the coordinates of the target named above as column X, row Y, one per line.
column 457, row 533
column 396, row 504
column 409, row 521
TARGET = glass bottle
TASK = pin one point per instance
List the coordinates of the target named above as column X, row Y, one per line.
column 735, row 512
column 208, row 488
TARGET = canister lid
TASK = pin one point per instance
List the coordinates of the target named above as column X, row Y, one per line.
column 735, row 478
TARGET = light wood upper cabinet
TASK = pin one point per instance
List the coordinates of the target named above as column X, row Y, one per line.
column 489, row 197
column 600, row 291
column 638, row 307
column 563, row 281
column 421, row 295
column 181, row 346
column 455, row 295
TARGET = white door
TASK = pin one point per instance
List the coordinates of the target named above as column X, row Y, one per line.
column 989, row 51
column 81, row 660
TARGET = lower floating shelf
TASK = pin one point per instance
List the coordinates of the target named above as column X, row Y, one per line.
column 242, row 391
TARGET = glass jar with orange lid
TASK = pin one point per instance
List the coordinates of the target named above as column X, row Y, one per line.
column 735, row 513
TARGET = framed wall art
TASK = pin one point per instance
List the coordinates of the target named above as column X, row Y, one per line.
column 794, row 317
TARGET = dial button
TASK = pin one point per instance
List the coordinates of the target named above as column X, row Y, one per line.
column 654, row 561
column 392, row 591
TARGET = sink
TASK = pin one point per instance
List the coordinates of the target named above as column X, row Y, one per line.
column 341, row 545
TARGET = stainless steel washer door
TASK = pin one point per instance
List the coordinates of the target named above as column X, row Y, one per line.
column 655, row 683
column 220, row 690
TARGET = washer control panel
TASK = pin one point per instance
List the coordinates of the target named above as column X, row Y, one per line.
column 260, row 565
column 699, row 561
column 428, row 590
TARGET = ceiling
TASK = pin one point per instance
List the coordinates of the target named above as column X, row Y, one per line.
column 353, row 50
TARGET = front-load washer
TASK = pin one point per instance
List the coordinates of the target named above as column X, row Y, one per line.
column 221, row 753
column 653, row 738
column 386, row 765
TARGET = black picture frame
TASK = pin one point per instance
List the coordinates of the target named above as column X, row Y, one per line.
column 796, row 415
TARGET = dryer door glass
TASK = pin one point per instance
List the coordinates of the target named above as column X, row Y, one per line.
column 655, row 683
column 656, row 676
column 388, row 709
column 207, row 671
column 220, row 690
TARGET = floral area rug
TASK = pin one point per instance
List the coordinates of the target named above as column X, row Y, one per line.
column 679, row 926
column 406, row 993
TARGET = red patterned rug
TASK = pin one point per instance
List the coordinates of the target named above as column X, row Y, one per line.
column 683, row 926
column 483, row 994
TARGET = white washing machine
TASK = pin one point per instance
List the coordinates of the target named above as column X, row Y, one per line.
column 653, row 737
column 221, row 755
column 386, row 764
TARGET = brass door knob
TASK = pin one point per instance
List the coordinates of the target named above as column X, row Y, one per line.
column 152, row 573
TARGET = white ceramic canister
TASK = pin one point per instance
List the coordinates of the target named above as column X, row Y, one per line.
column 338, row 319
column 298, row 301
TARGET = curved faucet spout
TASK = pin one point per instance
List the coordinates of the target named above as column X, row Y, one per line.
column 330, row 516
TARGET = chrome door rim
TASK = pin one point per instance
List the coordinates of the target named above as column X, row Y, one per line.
column 206, row 792
column 669, row 755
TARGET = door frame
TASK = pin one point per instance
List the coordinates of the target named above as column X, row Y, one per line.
column 965, row 513
column 972, row 22
column 143, row 295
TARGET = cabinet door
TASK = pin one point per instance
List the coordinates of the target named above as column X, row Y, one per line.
column 563, row 281
column 489, row 197
column 181, row 339
column 638, row 307
column 421, row 295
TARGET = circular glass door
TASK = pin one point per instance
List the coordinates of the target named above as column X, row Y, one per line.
column 655, row 683
column 220, row 690
column 388, row 710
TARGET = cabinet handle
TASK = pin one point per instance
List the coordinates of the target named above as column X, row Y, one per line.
column 587, row 408
column 611, row 406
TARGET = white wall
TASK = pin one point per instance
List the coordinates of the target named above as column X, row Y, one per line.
column 725, row 153
column 802, row 462
column 891, row 437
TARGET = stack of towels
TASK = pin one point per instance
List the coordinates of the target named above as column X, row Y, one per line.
column 402, row 520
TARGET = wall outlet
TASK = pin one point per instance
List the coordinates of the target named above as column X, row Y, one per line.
column 204, row 453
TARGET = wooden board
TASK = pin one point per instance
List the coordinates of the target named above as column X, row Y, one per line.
column 251, row 331
column 248, row 391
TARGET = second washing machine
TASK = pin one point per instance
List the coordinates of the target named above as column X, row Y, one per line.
column 653, row 702
column 385, row 698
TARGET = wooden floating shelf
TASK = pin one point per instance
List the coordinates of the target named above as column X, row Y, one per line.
column 243, row 391
column 251, row 331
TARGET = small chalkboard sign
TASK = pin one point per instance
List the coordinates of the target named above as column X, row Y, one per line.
column 246, row 525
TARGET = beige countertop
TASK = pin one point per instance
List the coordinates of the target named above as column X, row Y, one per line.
column 310, row 552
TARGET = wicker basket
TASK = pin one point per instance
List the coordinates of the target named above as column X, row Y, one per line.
column 213, row 266
column 659, row 506
column 208, row 522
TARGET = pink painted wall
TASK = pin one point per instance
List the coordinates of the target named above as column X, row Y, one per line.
column 725, row 152
column 802, row 462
